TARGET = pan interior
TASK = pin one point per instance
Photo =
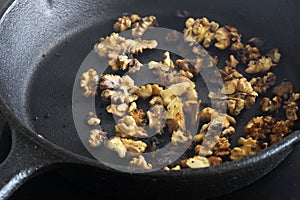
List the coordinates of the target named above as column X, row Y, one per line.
column 48, row 102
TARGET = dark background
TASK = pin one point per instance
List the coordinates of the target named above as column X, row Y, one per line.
column 281, row 183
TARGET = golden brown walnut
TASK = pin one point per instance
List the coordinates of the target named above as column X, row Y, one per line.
column 176, row 123
column 97, row 137
column 89, row 82
column 249, row 53
column 261, row 85
column 115, row 144
column 134, row 147
column 259, row 127
column 127, row 126
column 110, row 81
column 274, row 55
column 227, row 132
column 156, row 100
column 156, row 116
column 177, row 167
column 271, row 105
column 248, row 147
column 118, row 110
column 209, row 114
column 291, row 107
column 223, row 38
column 140, row 28
column 203, row 150
column 280, row 129
column 140, row 162
column 144, row 91
column 179, row 136
column 236, row 105
column 165, row 65
column 232, row 62
column 93, row 119
column 140, row 117
column 167, row 96
column 214, row 160
column 197, row 162
column 284, row 89
column 123, row 62
column 186, row 74
column 125, row 22
column 222, row 147
column 263, row 64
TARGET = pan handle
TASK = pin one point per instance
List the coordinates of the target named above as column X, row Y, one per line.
column 26, row 159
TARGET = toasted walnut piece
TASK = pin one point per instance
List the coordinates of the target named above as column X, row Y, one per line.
column 140, row 28
column 259, row 127
column 261, row 85
column 262, row 65
column 222, row 147
column 186, row 74
column 156, row 100
column 197, row 162
column 177, row 167
column 223, row 37
column 158, row 65
column 232, row 62
column 209, row 114
column 97, row 137
column 167, row 96
column 123, row 62
column 144, row 91
column 245, row 87
column 291, row 107
column 115, row 144
column 203, row 150
column 200, row 136
column 179, row 88
column 176, row 123
column 173, row 108
column 110, row 81
column 135, row 147
column 140, row 117
column 249, row 147
column 230, row 87
column 228, row 132
column 280, row 129
column 274, row 55
column 284, row 89
column 179, row 136
column 187, row 66
column 119, row 110
column 156, row 89
column 214, row 161
column 167, row 60
column 268, row 105
column 140, row 162
column 249, row 53
column 156, row 116
column 93, row 119
column 127, row 126
column 89, row 82
column 125, row 22
column 236, row 105
column 138, row 45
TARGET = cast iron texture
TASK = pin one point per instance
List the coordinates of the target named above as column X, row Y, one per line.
column 43, row 43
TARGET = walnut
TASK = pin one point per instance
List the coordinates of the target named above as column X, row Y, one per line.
column 156, row 100
column 291, row 107
column 134, row 147
column 140, row 28
column 167, row 96
column 97, row 137
column 197, row 162
column 156, row 89
column 209, row 114
column 118, row 110
column 274, row 55
column 201, row 31
column 186, row 74
column 261, row 85
column 230, row 87
column 127, row 126
column 123, row 62
column 227, row 132
column 125, row 22
column 178, row 122
column 268, row 105
column 139, row 115
column 236, row 39
column 249, row 147
column 284, row 89
column 232, row 62
column 259, row 127
column 177, row 167
column 110, row 81
column 222, row 147
column 118, row 96
column 165, row 65
column 144, row 91
column 249, row 53
column 213, row 160
column 140, row 162
column 236, row 105
column 223, row 38
column 280, row 129
column 261, row 65
column 179, row 137
column 89, row 82
column 173, row 108
column 190, row 67
column 203, row 150
column 93, row 119
column 156, row 117
column 115, row 144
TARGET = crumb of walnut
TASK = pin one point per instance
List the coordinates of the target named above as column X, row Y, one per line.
column 197, row 162
column 89, row 82
column 214, row 160
column 133, row 146
column 118, row 110
column 115, row 144
column 222, row 147
column 284, row 89
column 125, row 22
column 140, row 162
column 248, row 147
column 271, row 105
column 156, row 116
column 280, row 129
column 93, row 119
column 97, row 137
column 259, row 127
column 140, row 28
column 179, row 136
column 177, row 167
column 261, row 85
column 263, row 64
column 291, row 107
column 127, row 126
column 139, row 115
